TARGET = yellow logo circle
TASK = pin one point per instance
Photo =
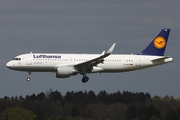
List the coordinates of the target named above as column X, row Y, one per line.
column 159, row 42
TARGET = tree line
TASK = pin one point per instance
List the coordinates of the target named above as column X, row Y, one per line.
column 86, row 105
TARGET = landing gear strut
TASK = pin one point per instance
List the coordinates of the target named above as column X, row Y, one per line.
column 29, row 78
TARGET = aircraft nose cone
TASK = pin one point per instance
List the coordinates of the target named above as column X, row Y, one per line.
column 8, row 65
column 12, row 65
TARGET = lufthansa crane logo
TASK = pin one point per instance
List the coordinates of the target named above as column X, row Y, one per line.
column 159, row 42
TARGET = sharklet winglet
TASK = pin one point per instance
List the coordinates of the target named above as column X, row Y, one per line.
column 111, row 49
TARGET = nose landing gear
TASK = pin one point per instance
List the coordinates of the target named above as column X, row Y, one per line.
column 29, row 78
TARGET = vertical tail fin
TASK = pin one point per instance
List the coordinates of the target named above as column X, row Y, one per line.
column 158, row 45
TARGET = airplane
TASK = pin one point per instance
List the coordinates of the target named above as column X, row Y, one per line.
column 66, row 65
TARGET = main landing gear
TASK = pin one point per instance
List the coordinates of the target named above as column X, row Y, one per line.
column 85, row 79
column 29, row 78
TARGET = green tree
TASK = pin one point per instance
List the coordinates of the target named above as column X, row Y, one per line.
column 54, row 96
column 116, row 111
column 172, row 115
column 91, row 97
column 147, row 112
column 17, row 113
column 70, row 110
column 103, row 96
column 155, row 118
column 41, row 96
column 131, row 112
column 178, row 112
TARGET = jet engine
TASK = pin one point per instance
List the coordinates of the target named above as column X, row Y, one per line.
column 64, row 72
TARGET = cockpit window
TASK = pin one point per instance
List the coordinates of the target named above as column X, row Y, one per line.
column 17, row 59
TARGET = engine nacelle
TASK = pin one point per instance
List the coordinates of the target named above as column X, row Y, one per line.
column 96, row 69
column 64, row 72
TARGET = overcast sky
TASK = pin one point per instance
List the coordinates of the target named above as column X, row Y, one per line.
column 88, row 27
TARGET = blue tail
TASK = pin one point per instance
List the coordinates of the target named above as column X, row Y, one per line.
column 158, row 45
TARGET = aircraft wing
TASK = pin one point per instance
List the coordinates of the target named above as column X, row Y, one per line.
column 95, row 61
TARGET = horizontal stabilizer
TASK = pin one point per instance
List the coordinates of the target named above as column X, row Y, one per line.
column 164, row 59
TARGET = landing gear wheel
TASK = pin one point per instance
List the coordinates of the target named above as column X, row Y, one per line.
column 28, row 79
column 85, row 79
column 29, row 74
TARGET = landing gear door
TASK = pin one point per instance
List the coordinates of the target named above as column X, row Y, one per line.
column 138, row 61
column 29, row 59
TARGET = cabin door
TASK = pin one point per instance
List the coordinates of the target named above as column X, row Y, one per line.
column 138, row 61
column 29, row 59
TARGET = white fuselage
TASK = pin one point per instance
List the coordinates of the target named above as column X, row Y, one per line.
column 42, row 62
